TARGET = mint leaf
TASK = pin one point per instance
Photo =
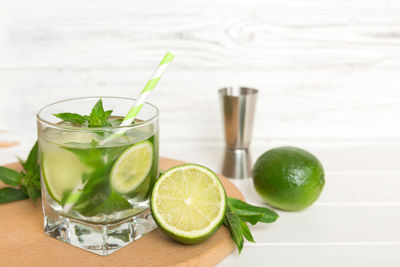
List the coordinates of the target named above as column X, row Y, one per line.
column 107, row 114
column 21, row 161
column 246, row 231
column 89, row 156
column 251, row 218
column 9, row 194
column 113, row 203
column 233, row 222
column 71, row 117
column 31, row 184
column 33, row 193
column 32, row 162
column 250, row 213
column 98, row 117
column 10, row 177
column 96, row 191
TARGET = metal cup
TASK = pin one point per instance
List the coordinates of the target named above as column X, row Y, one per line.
column 238, row 109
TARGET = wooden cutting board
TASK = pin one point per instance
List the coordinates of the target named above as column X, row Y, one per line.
column 23, row 241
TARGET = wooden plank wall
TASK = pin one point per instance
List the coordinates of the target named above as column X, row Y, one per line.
column 326, row 70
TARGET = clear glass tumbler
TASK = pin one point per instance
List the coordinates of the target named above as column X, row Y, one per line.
column 95, row 194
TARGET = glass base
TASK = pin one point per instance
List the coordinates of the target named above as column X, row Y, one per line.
column 102, row 239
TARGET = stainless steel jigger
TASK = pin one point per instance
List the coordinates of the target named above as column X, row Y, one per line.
column 238, row 108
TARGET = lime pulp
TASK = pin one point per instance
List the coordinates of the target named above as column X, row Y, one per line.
column 188, row 203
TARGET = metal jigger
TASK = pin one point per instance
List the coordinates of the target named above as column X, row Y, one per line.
column 238, row 108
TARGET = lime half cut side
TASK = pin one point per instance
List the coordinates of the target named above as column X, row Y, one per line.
column 132, row 167
column 188, row 203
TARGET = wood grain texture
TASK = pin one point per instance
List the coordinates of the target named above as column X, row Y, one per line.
column 8, row 144
column 23, row 242
column 325, row 69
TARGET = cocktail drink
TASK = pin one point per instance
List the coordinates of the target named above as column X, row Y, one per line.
column 95, row 190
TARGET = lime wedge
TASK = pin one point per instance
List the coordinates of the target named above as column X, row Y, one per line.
column 62, row 171
column 188, row 203
column 132, row 167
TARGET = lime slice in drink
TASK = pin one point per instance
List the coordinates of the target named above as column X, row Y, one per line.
column 132, row 167
column 188, row 203
column 62, row 171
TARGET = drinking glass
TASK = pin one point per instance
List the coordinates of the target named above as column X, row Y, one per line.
column 95, row 194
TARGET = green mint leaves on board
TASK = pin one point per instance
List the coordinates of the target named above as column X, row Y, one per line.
column 98, row 117
column 238, row 213
column 26, row 183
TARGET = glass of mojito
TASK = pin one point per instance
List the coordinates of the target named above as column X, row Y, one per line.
column 95, row 189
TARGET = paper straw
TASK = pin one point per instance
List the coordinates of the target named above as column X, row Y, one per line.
column 144, row 94
column 149, row 87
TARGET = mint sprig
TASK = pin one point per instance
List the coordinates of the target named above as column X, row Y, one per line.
column 238, row 213
column 98, row 117
column 25, row 183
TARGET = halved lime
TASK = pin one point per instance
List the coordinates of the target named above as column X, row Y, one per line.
column 132, row 167
column 188, row 203
column 62, row 171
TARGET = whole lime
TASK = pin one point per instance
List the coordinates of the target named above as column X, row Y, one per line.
column 288, row 178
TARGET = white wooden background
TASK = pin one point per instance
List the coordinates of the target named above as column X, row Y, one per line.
column 328, row 74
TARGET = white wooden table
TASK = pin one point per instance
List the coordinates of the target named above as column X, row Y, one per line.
column 354, row 223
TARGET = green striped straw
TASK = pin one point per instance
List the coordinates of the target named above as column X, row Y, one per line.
column 149, row 87
column 144, row 94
